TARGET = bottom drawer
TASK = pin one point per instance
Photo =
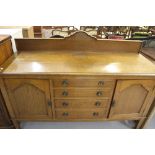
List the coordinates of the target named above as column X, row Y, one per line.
column 81, row 114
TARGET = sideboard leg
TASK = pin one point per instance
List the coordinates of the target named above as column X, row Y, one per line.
column 16, row 124
column 141, row 123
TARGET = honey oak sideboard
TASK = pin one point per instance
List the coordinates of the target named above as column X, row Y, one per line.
column 78, row 78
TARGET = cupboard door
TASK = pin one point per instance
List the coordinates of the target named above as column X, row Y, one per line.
column 30, row 99
column 130, row 98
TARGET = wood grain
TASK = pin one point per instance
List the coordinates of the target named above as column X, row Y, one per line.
column 34, row 89
column 82, row 92
column 29, row 98
column 79, row 41
column 131, row 96
column 5, row 48
column 78, row 63
column 81, row 103
column 5, row 121
column 81, row 114
column 83, row 82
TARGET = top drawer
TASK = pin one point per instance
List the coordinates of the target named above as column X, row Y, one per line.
column 82, row 82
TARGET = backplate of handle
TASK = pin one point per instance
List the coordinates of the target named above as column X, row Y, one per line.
column 49, row 103
column 65, row 93
column 101, row 83
column 65, row 104
column 99, row 93
column 113, row 103
column 65, row 83
column 95, row 113
column 97, row 103
column 65, row 114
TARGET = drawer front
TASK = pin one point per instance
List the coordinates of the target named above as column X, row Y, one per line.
column 81, row 114
column 80, row 92
column 77, row 103
column 79, row 82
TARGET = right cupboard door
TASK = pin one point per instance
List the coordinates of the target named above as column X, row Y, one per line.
column 130, row 98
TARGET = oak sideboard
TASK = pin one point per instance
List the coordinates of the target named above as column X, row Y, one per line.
column 78, row 78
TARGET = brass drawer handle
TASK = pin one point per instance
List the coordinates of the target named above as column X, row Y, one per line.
column 95, row 113
column 99, row 93
column 65, row 93
column 97, row 103
column 65, row 83
column 101, row 83
column 65, row 104
column 65, row 114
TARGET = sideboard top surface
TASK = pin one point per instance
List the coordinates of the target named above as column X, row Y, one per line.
column 79, row 54
column 82, row 63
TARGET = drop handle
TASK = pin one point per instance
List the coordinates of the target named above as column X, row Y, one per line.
column 65, row 104
column 101, row 83
column 65, row 114
column 97, row 103
column 95, row 113
column 99, row 93
column 49, row 103
column 113, row 103
column 65, row 93
column 65, row 83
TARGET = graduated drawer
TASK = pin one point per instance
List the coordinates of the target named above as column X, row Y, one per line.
column 82, row 82
column 78, row 103
column 81, row 92
column 81, row 114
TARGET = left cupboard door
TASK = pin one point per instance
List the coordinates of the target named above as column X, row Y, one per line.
column 30, row 98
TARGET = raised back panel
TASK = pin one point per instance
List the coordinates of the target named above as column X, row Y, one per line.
column 79, row 41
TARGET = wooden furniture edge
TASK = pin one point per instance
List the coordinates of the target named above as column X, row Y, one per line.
column 7, row 63
column 8, row 104
column 52, row 75
column 145, row 121
column 146, row 112
column 78, row 39
column 6, row 40
column 3, row 38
